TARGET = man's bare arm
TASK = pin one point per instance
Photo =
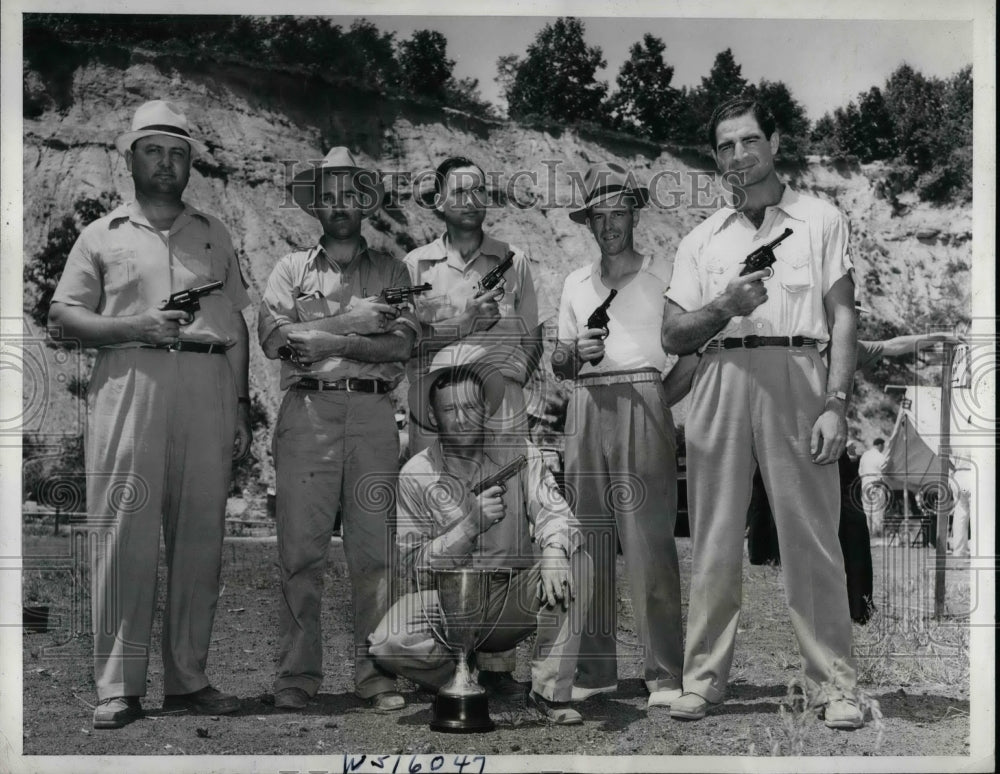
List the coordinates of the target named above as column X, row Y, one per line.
column 684, row 332
column 677, row 382
column 91, row 329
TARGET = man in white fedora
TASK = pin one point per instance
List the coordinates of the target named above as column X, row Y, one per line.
column 621, row 475
column 168, row 410
column 335, row 443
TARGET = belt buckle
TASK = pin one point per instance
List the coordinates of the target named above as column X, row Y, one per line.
column 175, row 347
column 347, row 385
column 751, row 342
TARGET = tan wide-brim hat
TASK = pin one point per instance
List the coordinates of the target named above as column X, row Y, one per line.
column 420, row 390
column 158, row 117
column 607, row 180
column 305, row 187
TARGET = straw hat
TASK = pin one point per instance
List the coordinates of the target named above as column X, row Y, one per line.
column 420, row 390
column 158, row 117
column 606, row 180
column 337, row 161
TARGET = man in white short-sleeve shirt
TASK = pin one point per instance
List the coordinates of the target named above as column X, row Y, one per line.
column 763, row 396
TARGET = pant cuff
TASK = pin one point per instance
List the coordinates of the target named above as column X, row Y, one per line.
column 308, row 684
column 663, row 684
column 705, row 690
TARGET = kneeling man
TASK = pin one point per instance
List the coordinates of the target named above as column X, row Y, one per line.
column 523, row 524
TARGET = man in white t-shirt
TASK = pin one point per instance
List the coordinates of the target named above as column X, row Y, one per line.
column 620, row 445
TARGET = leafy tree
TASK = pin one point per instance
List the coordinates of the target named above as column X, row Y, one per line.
column 724, row 81
column 42, row 273
column 556, row 79
column 789, row 115
column 375, row 52
column 424, row 67
column 644, row 102
column 916, row 105
column 821, row 138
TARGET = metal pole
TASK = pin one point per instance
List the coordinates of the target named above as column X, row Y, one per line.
column 944, row 450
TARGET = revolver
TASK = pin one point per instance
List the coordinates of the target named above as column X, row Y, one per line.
column 398, row 296
column 599, row 319
column 187, row 301
column 494, row 277
column 503, row 475
column 763, row 256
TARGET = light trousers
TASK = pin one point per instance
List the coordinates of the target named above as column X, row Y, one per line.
column 753, row 407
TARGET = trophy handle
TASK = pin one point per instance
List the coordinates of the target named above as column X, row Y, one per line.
column 509, row 571
column 423, row 609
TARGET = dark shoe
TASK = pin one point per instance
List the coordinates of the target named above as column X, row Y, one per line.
column 559, row 713
column 207, row 701
column 117, row 712
column 500, row 683
column 386, row 702
column 291, row 698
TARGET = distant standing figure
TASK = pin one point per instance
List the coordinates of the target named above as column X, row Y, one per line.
column 873, row 491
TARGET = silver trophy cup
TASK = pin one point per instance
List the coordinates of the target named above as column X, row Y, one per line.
column 464, row 595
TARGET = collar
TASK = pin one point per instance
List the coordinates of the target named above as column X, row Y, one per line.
column 791, row 204
column 443, row 251
column 317, row 252
column 491, row 451
column 595, row 269
column 131, row 211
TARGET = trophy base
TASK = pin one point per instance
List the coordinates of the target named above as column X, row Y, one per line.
column 461, row 714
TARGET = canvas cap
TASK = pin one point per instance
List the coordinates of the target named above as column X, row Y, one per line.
column 606, row 180
column 338, row 160
column 158, row 117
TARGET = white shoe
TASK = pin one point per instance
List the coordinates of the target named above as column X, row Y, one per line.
column 580, row 694
column 663, row 697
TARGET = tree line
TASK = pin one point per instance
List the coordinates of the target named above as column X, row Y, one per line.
column 920, row 127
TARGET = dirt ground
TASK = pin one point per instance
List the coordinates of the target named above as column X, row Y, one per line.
column 916, row 670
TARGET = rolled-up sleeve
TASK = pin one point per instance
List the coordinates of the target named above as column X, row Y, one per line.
column 277, row 307
column 553, row 521
column 836, row 251
column 685, row 287
column 81, row 283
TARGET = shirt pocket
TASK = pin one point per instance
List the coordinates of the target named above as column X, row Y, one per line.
column 315, row 307
column 120, row 275
column 717, row 277
column 794, row 275
column 205, row 262
column 432, row 307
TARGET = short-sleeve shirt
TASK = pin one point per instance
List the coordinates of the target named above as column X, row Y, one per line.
column 636, row 314
column 454, row 282
column 120, row 265
column 432, row 498
column 809, row 262
column 308, row 285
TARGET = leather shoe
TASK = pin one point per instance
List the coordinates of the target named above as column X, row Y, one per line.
column 556, row 712
column 664, row 697
column 291, row 698
column 580, row 694
column 691, row 706
column 500, row 683
column 843, row 713
column 387, row 701
column 207, row 701
column 117, row 712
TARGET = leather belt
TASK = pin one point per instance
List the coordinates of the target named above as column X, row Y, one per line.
column 189, row 346
column 618, row 377
column 351, row 384
column 753, row 342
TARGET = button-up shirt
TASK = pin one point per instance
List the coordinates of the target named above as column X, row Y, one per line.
column 121, row 265
column 636, row 315
column 454, row 281
column 433, row 499
column 308, row 285
column 808, row 264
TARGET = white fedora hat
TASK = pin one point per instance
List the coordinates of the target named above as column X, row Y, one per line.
column 158, row 117
column 338, row 160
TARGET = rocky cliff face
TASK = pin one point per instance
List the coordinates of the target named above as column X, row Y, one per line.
column 911, row 259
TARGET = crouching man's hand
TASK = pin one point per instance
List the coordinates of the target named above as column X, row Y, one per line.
column 556, row 583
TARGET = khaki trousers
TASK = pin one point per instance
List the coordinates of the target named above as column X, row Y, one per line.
column 621, row 482
column 755, row 407
column 404, row 641
column 333, row 449
column 159, row 451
